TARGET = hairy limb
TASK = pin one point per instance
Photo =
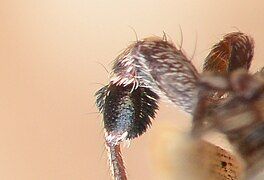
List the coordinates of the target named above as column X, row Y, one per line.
column 126, row 115
column 146, row 70
column 158, row 65
column 234, row 51
column 116, row 162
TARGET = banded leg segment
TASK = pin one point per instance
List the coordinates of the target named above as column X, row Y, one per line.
column 157, row 64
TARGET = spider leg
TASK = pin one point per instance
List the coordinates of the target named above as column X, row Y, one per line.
column 146, row 70
column 126, row 115
column 160, row 66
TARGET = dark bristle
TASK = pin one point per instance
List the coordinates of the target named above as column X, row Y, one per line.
column 126, row 111
column 100, row 98
column 145, row 104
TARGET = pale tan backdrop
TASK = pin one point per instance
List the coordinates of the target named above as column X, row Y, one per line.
column 49, row 70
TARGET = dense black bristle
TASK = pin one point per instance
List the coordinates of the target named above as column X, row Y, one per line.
column 145, row 104
column 125, row 111
column 100, row 98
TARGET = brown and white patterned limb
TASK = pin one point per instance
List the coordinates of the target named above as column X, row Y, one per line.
column 117, row 166
column 157, row 64
column 116, row 162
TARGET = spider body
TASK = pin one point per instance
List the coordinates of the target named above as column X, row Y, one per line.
column 154, row 68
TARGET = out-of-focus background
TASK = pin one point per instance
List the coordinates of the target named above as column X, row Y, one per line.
column 51, row 53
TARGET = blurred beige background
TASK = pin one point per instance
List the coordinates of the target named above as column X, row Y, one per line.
column 49, row 72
